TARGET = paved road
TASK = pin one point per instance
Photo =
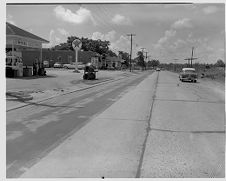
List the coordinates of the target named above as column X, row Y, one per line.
column 186, row 136
column 36, row 129
column 158, row 128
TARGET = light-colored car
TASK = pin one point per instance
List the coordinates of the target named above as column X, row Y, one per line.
column 69, row 66
column 81, row 66
column 188, row 74
column 57, row 65
column 72, row 66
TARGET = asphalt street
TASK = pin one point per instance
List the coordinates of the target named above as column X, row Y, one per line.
column 36, row 129
column 149, row 126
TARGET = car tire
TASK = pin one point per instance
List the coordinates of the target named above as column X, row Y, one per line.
column 85, row 76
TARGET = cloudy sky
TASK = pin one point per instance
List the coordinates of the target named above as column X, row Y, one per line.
column 167, row 31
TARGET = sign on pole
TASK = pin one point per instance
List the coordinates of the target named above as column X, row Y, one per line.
column 76, row 44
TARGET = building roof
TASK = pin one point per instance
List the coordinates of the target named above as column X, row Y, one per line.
column 14, row 30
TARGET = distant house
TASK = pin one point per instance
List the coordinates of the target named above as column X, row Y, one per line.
column 114, row 62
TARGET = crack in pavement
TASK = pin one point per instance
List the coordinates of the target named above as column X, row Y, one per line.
column 178, row 131
column 181, row 100
column 138, row 173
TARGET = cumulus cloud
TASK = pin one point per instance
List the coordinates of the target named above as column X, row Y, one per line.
column 116, row 44
column 210, row 9
column 53, row 40
column 182, row 23
column 169, row 38
column 179, row 43
column 121, row 20
column 121, row 44
column 165, row 39
column 110, row 36
column 178, row 40
column 63, row 32
column 80, row 16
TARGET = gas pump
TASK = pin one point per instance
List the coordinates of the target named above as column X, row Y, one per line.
column 14, row 64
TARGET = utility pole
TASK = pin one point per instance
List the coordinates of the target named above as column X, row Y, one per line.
column 146, row 55
column 192, row 55
column 190, row 59
column 131, row 38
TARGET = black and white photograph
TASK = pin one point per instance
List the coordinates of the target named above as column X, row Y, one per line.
column 105, row 90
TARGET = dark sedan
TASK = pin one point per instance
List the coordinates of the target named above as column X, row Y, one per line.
column 188, row 74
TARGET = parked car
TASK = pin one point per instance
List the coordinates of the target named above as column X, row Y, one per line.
column 57, row 65
column 69, row 66
column 81, row 66
column 46, row 64
column 188, row 74
column 72, row 66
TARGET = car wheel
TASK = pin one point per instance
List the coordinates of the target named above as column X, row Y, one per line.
column 195, row 81
column 85, row 76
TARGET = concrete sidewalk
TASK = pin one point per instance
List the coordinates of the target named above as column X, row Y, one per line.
column 110, row 145
column 21, row 92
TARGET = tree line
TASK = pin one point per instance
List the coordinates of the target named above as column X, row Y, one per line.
column 98, row 46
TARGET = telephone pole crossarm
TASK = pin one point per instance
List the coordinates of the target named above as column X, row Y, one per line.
column 192, row 58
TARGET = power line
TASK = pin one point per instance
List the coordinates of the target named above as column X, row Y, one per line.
column 131, row 39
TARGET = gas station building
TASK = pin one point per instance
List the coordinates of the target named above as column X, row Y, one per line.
column 18, row 40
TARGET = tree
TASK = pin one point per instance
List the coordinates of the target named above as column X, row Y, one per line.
column 125, row 56
column 141, row 59
column 219, row 63
column 98, row 46
column 62, row 46
column 111, row 53
column 153, row 63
